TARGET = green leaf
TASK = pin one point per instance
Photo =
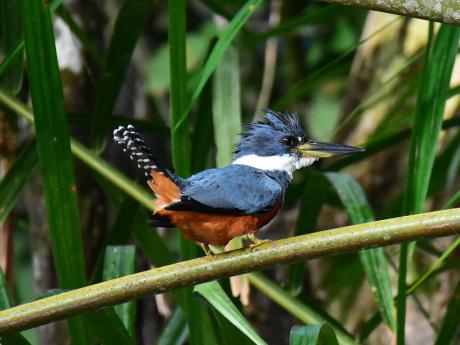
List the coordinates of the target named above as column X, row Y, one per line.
column 53, row 146
column 5, row 300
column 226, row 106
column 217, row 7
column 313, row 335
column 175, row 332
column 446, row 166
column 11, row 57
column 201, row 140
column 11, row 33
column 128, row 26
column 229, row 334
column 450, row 325
column 373, row 260
column 121, row 230
column 180, row 138
column 303, row 312
column 311, row 202
column 108, row 327
column 216, row 296
column 120, row 261
column 429, row 114
column 151, row 243
column 16, row 50
column 433, row 92
column 15, row 179
column 224, row 41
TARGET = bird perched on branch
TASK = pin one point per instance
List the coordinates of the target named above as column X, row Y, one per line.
column 216, row 205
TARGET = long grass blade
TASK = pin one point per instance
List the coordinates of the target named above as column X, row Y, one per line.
column 373, row 260
column 53, row 146
column 433, row 92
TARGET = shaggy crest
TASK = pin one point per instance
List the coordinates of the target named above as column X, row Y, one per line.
column 285, row 122
column 261, row 132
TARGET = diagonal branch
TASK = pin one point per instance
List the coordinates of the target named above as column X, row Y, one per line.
column 446, row 11
column 166, row 278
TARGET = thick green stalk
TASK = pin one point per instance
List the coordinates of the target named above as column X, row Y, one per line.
column 180, row 138
column 166, row 278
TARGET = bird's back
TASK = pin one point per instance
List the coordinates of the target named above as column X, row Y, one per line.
column 236, row 188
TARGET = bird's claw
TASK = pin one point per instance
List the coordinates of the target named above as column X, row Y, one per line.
column 255, row 242
column 206, row 249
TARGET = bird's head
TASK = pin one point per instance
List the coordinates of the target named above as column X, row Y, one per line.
column 279, row 144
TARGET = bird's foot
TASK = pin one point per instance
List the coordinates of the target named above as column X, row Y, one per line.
column 206, row 249
column 255, row 242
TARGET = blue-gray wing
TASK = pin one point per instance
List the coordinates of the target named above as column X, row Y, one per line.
column 233, row 189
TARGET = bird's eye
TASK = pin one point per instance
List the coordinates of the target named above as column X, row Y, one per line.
column 288, row 141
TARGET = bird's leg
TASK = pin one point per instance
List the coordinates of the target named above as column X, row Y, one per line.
column 255, row 241
column 206, row 249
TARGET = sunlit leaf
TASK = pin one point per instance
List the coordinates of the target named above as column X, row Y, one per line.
column 214, row 294
column 313, row 335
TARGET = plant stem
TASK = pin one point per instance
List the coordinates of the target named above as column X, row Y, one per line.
column 166, row 278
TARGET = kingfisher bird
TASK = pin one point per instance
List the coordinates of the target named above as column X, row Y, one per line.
column 215, row 205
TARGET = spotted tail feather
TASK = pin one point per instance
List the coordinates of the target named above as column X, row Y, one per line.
column 134, row 145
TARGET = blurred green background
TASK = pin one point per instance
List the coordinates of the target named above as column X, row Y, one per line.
column 188, row 75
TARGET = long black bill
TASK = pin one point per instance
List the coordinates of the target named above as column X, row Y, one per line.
column 325, row 150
